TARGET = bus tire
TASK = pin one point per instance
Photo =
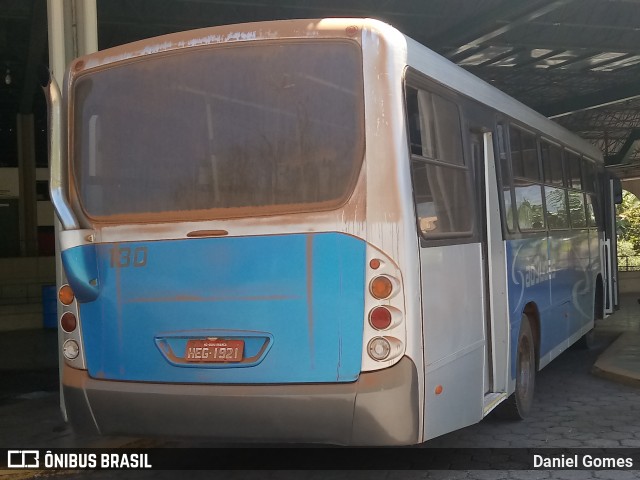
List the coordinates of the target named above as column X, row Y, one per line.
column 518, row 405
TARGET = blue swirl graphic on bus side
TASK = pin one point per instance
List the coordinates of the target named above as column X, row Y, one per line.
column 555, row 273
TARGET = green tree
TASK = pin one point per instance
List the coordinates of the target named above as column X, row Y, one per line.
column 628, row 220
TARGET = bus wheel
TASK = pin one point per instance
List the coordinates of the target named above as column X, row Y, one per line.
column 518, row 405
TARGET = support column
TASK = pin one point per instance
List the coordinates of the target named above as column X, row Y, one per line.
column 73, row 31
column 27, row 175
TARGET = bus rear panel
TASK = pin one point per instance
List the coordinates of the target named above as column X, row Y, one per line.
column 221, row 270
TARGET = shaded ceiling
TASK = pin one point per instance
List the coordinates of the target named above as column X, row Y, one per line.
column 577, row 61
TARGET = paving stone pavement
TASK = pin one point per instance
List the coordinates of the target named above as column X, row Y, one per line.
column 572, row 409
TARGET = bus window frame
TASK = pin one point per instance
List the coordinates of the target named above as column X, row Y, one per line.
column 503, row 124
column 562, row 187
column 414, row 79
column 567, row 169
column 584, row 210
column 521, row 233
column 541, row 139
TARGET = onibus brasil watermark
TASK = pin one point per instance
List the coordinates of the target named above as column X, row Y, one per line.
column 76, row 460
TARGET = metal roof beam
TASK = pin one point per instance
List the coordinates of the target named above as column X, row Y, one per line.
column 598, row 131
column 608, row 28
column 589, row 101
column 466, row 54
column 356, row 8
column 610, row 61
column 624, row 154
column 535, row 60
column 482, row 28
column 499, row 58
column 549, row 42
column 571, row 61
column 610, row 121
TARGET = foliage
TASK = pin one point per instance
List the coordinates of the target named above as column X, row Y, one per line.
column 628, row 259
column 628, row 223
column 625, row 249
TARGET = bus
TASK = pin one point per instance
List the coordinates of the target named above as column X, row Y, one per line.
column 314, row 231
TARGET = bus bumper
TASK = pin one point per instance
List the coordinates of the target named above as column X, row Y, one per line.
column 380, row 408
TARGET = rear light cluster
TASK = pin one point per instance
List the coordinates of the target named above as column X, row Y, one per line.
column 69, row 323
column 384, row 328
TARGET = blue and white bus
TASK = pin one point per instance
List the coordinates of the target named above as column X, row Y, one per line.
column 314, row 231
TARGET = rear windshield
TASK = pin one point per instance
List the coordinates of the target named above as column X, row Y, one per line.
column 220, row 132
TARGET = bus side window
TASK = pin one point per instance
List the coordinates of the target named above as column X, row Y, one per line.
column 554, row 179
column 592, row 194
column 421, row 132
column 572, row 167
column 588, row 176
column 526, row 173
column 524, row 155
column 556, row 202
column 592, row 217
column 552, row 164
column 576, row 209
column 505, row 179
column 529, row 205
column 440, row 180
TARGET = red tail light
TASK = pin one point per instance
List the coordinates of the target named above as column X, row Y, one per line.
column 380, row 318
column 68, row 322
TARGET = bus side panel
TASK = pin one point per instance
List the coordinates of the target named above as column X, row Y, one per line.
column 295, row 300
column 528, row 281
column 583, row 282
column 454, row 336
column 559, row 283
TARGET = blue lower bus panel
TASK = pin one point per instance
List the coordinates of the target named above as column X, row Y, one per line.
column 293, row 303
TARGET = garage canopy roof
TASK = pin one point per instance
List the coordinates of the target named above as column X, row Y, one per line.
column 577, row 61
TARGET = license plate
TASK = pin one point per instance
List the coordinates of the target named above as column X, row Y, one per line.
column 214, row 350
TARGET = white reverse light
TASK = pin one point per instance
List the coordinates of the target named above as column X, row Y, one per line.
column 379, row 348
column 70, row 349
